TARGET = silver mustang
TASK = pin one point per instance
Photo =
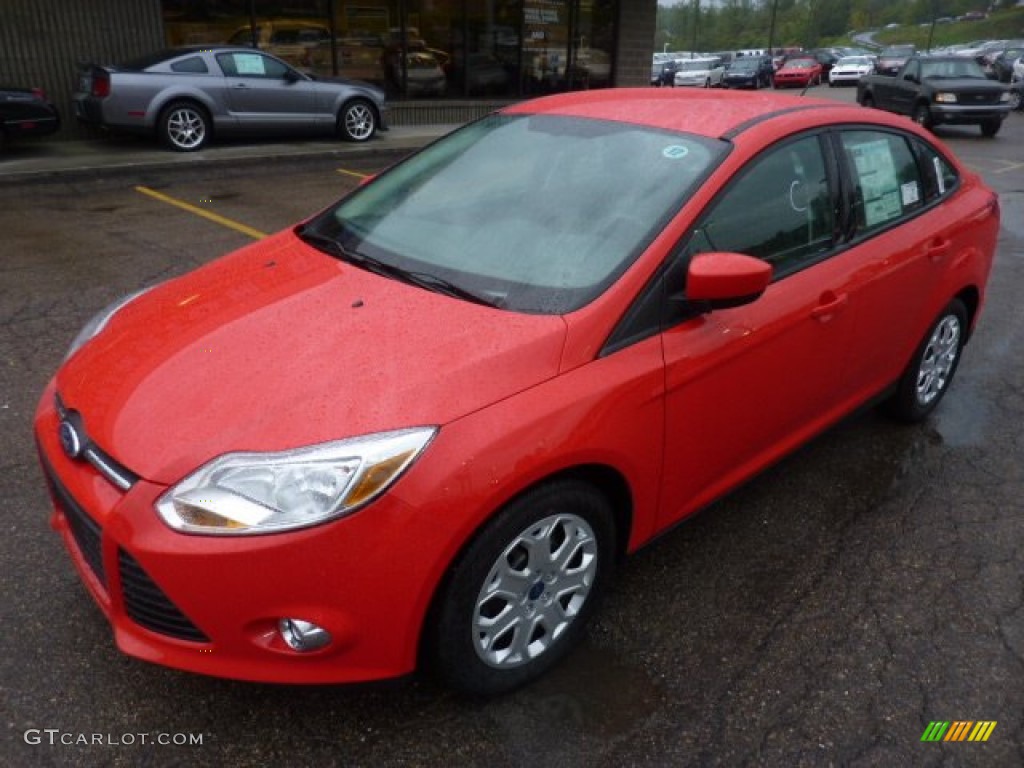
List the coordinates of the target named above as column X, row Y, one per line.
column 185, row 95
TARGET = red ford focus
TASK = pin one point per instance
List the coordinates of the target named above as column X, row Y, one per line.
column 424, row 425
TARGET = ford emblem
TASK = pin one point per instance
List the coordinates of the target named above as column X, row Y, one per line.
column 70, row 440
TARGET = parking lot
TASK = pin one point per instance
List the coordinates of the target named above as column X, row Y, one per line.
column 824, row 614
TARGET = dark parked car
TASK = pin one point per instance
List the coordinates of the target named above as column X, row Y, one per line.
column 25, row 112
column 749, row 72
column 892, row 59
column 184, row 95
column 936, row 90
column 1000, row 63
column 667, row 74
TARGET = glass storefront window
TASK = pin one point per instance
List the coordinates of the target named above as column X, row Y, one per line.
column 418, row 49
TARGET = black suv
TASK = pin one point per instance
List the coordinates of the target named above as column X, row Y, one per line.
column 749, row 72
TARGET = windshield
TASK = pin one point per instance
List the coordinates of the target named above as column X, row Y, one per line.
column 697, row 65
column 958, row 67
column 743, row 65
column 532, row 213
column 854, row 61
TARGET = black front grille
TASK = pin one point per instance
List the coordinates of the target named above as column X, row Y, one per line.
column 86, row 532
column 149, row 607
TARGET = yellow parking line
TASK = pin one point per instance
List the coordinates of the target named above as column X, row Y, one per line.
column 253, row 233
column 1008, row 166
column 354, row 173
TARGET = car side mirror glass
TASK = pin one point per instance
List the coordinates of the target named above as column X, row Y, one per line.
column 291, row 76
column 724, row 280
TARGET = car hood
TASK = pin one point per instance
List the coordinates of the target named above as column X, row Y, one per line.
column 278, row 346
column 964, row 84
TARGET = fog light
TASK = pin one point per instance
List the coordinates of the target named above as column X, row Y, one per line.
column 303, row 636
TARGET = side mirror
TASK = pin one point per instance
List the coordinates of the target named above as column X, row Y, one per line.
column 726, row 280
column 291, row 76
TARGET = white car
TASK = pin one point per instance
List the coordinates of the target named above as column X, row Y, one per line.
column 849, row 69
column 700, row 73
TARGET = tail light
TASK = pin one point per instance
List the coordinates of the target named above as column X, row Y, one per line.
column 100, row 84
column 39, row 93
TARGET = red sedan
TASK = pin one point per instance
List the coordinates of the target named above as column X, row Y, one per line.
column 426, row 423
column 798, row 73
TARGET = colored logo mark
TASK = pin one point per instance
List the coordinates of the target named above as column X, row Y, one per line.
column 958, row 730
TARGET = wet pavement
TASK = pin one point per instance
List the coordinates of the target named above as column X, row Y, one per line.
column 823, row 615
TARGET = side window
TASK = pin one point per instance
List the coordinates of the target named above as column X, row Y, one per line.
column 193, row 64
column 779, row 210
column 937, row 175
column 887, row 182
column 242, row 64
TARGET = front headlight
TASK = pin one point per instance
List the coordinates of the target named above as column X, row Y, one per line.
column 247, row 493
column 944, row 97
column 1004, row 96
column 99, row 321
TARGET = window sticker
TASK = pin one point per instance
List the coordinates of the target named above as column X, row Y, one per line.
column 939, row 176
column 249, row 64
column 675, row 152
column 910, row 193
column 879, row 185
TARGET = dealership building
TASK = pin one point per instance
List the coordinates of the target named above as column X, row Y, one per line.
column 440, row 61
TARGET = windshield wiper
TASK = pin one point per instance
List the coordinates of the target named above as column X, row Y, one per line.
column 420, row 279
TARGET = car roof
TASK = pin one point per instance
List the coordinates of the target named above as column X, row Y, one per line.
column 714, row 114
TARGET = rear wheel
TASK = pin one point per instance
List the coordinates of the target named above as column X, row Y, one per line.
column 931, row 370
column 867, row 101
column 990, row 128
column 357, row 121
column 520, row 596
column 184, row 126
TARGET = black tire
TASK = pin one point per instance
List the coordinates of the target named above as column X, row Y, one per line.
column 357, row 121
column 990, row 128
column 184, row 126
column 1016, row 102
column 867, row 101
column 553, row 548
column 931, row 370
column 922, row 115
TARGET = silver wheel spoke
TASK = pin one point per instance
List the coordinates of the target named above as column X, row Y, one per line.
column 534, row 590
column 938, row 360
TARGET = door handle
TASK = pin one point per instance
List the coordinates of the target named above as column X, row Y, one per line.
column 937, row 249
column 829, row 304
column 240, row 87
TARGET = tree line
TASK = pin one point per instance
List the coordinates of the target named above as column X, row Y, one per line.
column 711, row 25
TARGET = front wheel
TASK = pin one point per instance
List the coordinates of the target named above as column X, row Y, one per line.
column 1016, row 102
column 518, row 599
column 357, row 121
column 922, row 115
column 990, row 128
column 184, row 126
column 931, row 370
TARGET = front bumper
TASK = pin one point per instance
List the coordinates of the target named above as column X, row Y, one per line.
column 960, row 114
column 212, row 604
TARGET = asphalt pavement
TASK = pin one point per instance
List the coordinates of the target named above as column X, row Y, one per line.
column 49, row 158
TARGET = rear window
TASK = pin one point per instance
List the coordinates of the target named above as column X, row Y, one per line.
column 193, row 64
column 149, row 60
